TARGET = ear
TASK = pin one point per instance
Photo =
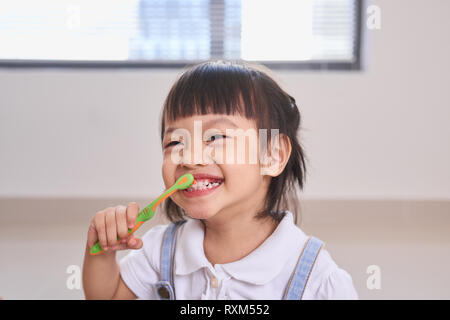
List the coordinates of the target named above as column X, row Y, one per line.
column 274, row 163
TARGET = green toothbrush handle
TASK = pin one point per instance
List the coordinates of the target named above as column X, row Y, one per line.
column 147, row 213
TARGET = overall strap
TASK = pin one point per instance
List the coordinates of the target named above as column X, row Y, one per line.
column 300, row 276
column 165, row 287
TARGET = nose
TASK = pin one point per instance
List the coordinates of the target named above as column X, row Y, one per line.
column 196, row 154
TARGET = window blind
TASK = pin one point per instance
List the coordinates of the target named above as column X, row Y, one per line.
column 174, row 31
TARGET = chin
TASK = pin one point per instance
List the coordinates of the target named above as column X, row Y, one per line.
column 197, row 209
column 203, row 214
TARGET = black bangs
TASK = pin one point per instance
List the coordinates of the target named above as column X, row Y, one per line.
column 215, row 87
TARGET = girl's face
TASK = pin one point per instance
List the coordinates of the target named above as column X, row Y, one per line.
column 243, row 187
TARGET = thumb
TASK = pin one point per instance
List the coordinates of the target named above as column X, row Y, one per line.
column 134, row 243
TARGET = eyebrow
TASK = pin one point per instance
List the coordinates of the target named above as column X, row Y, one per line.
column 207, row 124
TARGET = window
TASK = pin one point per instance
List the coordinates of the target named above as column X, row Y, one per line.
column 313, row 34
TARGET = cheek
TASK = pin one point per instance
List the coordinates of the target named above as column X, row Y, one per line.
column 241, row 177
column 171, row 156
column 168, row 172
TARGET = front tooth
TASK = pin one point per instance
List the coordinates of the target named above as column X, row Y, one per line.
column 202, row 185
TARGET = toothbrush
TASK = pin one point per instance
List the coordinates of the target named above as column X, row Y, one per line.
column 147, row 213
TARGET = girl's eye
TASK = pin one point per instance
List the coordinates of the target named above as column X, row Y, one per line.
column 212, row 138
column 216, row 135
column 171, row 144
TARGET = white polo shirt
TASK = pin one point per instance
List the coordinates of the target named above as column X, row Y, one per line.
column 263, row 274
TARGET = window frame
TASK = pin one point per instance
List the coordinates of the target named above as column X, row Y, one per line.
column 318, row 65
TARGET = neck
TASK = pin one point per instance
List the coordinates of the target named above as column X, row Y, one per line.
column 233, row 237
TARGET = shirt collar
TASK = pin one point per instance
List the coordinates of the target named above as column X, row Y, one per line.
column 259, row 267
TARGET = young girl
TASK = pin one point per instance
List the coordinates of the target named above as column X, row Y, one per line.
column 233, row 234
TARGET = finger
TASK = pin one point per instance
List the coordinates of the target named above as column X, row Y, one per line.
column 120, row 246
column 100, row 226
column 92, row 237
column 111, row 228
column 134, row 243
column 132, row 213
column 121, row 222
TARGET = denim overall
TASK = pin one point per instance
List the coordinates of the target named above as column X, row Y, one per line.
column 295, row 287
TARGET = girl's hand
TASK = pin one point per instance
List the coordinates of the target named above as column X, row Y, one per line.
column 111, row 223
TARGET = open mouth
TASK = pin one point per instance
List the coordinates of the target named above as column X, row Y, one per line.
column 203, row 187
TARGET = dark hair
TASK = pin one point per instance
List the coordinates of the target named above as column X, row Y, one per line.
column 239, row 87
